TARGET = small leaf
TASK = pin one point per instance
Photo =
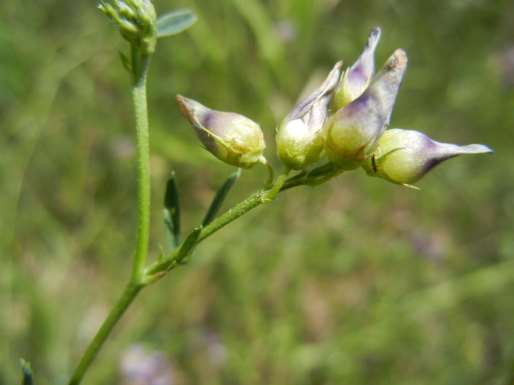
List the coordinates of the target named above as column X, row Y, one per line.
column 220, row 196
column 172, row 209
column 175, row 22
column 27, row 373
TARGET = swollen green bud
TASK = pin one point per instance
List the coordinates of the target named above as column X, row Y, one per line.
column 300, row 136
column 136, row 20
column 230, row 137
column 356, row 79
column 352, row 132
column 405, row 156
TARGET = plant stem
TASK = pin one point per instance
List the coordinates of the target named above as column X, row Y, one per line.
column 314, row 177
column 254, row 200
column 143, row 167
column 231, row 215
column 160, row 268
column 140, row 65
column 126, row 298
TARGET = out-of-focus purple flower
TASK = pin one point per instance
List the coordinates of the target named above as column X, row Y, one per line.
column 285, row 31
column 505, row 62
column 216, row 350
column 140, row 366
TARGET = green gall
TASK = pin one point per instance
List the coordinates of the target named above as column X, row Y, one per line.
column 405, row 156
column 356, row 79
column 352, row 132
column 231, row 137
column 300, row 136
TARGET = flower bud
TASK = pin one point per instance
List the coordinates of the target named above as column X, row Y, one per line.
column 136, row 20
column 230, row 137
column 405, row 156
column 300, row 136
column 356, row 79
column 352, row 132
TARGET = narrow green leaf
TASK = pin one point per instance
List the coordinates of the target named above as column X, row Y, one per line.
column 175, row 22
column 27, row 373
column 172, row 209
column 188, row 245
column 220, row 196
column 125, row 61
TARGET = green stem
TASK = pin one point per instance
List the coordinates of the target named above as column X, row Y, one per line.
column 314, row 177
column 160, row 268
column 272, row 193
column 143, row 168
column 253, row 201
column 140, row 65
column 271, row 173
column 126, row 298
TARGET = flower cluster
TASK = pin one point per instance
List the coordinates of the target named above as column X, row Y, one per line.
column 136, row 20
column 345, row 121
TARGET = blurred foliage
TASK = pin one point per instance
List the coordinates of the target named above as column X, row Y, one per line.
column 355, row 282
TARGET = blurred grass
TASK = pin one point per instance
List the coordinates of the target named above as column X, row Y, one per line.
column 355, row 282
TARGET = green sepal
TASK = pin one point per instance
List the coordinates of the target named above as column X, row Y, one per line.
column 27, row 378
column 220, row 196
column 173, row 23
column 172, row 210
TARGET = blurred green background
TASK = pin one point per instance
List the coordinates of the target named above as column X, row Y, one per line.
column 355, row 282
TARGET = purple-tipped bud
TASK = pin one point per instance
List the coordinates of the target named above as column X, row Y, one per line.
column 300, row 136
column 352, row 132
column 231, row 137
column 356, row 79
column 405, row 156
